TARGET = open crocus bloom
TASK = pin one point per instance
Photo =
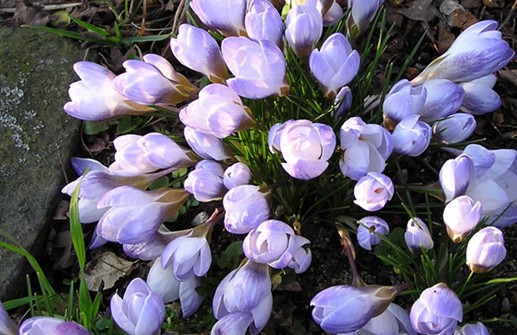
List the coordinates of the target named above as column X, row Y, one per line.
column 226, row 16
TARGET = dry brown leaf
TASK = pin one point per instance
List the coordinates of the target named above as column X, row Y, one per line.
column 107, row 268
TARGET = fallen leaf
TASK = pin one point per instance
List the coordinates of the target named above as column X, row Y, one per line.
column 107, row 268
column 419, row 10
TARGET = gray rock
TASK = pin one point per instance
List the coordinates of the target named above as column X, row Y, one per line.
column 36, row 140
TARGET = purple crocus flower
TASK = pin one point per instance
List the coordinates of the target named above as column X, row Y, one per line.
column 454, row 129
column 234, row 296
column 258, row 66
column 403, row 100
column 443, row 99
column 456, row 175
column 486, row 250
column 411, row 137
column 369, row 229
column 417, row 236
column 140, row 311
column 48, row 325
column 393, row 321
column 246, row 207
column 94, row 97
column 205, row 182
column 153, row 81
column 304, row 26
column 196, row 49
column 473, row 329
column 206, row 145
column 305, row 146
column 218, row 111
column 333, row 15
column 478, row 51
column 236, row 174
column 366, row 147
column 460, row 216
column 480, row 98
column 342, row 102
column 263, row 22
column 7, row 325
column 361, row 14
column 373, row 191
column 345, row 309
column 437, row 311
column 225, row 16
column 335, row 64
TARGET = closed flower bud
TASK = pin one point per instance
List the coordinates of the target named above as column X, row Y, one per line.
column 417, row 236
column 263, row 22
column 485, row 250
column 48, row 325
column 246, row 207
column 456, row 175
column 393, row 321
column 454, row 129
column 304, row 26
column 472, row 329
column 411, row 137
column 443, row 99
column 206, row 146
column 480, row 98
column 368, row 230
column 437, row 311
column 373, row 191
column 205, row 182
column 461, row 215
column 7, row 325
column 226, row 16
column 404, row 100
column 361, row 14
column 236, row 174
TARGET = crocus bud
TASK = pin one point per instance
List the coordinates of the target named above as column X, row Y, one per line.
column 94, row 97
column 393, row 321
column 417, row 236
column 454, row 129
column 305, row 146
column 304, row 26
column 485, row 250
column 202, row 56
column 263, row 22
column 48, row 325
column 7, row 325
column 302, row 256
column 246, row 207
column 461, row 215
column 373, row 191
column 206, row 146
column 333, row 15
column 332, row 306
column 361, row 14
column 404, row 100
column 480, row 98
column 140, row 311
column 153, row 81
column 369, row 229
column 335, row 64
column 342, row 102
column 205, row 182
column 218, row 111
column 236, row 174
column 443, row 99
column 437, row 311
column 226, row 16
column 411, row 137
column 456, row 175
column 476, row 52
column 242, row 56
column 472, row 329
column 366, row 147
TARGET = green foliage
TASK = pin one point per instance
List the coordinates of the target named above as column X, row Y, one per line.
column 231, row 257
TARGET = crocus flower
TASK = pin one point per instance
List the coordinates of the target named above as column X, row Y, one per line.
column 206, row 145
column 454, row 129
column 94, row 97
column 361, row 14
column 236, row 174
column 411, row 137
column 302, row 256
column 345, row 309
column 233, row 295
column 342, row 102
column 443, row 99
column 460, row 216
column 233, row 324
column 7, row 325
column 304, row 26
column 478, row 51
column 140, row 311
column 333, row 15
column 196, row 49
column 48, row 325
column 135, row 215
column 369, row 229
column 246, row 207
column 150, row 249
column 479, row 97
column 188, row 255
column 305, row 146
column 273, row 242
column 456, row 175
column 417, row 236
column 218, row 111
column 485, row 250
column 136, row 155
column 366, row 147
column 472, row 329
column 226, row 16
column 258, row 66
column 437, row 311
column 403, row 100
column 373, row 191
column 205, row 182
column 263, row 22
column 153, row 81
column 393, row 321
column 335, row 64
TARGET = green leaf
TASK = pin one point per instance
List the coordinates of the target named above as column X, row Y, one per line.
column 94, row 127
column 231, row 257
column 76, row 229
